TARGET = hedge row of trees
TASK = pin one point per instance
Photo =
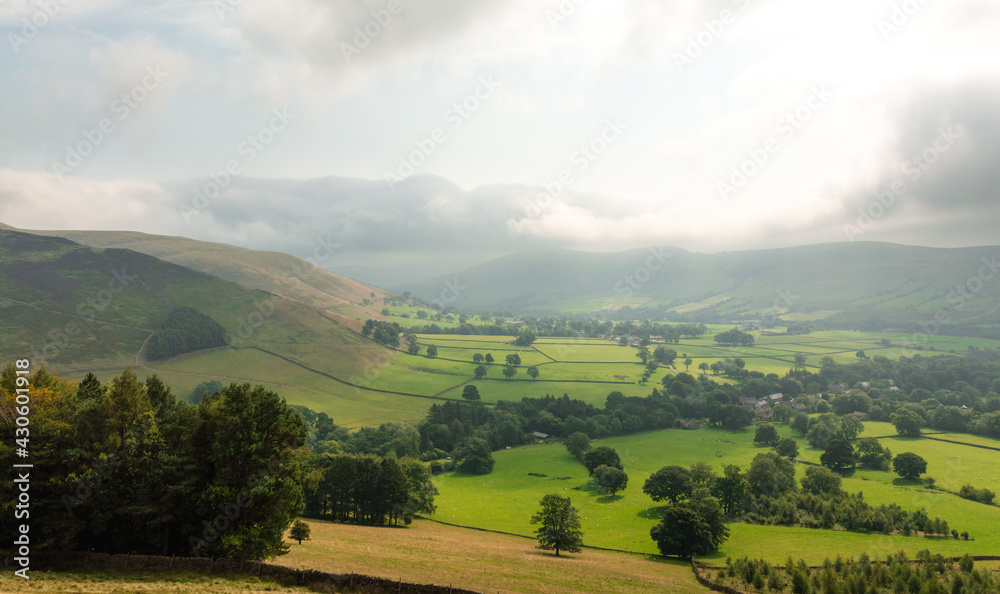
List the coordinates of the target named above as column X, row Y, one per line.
column 931, row 574
column 369, row 489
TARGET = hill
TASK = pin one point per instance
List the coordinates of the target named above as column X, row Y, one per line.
column 349, row 300
column 77, row 306
column 82, row 309
column 847, row 283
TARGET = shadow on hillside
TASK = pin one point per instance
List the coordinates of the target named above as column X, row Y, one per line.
column 902, row 482
column 653, row 513
column 609, row 498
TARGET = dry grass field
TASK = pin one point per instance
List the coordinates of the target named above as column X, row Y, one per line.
column 426, row 552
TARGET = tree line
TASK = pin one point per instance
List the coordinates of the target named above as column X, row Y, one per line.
column 124, row 467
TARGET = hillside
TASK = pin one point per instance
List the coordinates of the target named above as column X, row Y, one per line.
column 274, row 272
column 841, row 281
column 77, row 306
column 81, row 309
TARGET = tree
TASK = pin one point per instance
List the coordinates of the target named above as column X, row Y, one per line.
column 708, row 508
column 509, row 371
column 687, row 363
column 801, row 423
column 612, row 479
column 470, row 392
column 672, row 483
column 909, row 465
column 787, row 447
column 861, row 355
column 770, row 475
column 601, row 456
column 821, row 481
column 664, row 355
column 800, row 359
column 414, row 348
column 513, row 359
column 907, row 422
column 560, row 525
column 489, row 358
column 300, row 531
column 643, row 354
column 766, row 435
column 533, row 372
column 682, row 533
column 731, row 488
column 525, row 339
column 703, row 366
column 477, row 358
column 474, row 456
column 872, row 455
column 839, row 456
column 432, row 351
column 577, row 444
column 480, row 372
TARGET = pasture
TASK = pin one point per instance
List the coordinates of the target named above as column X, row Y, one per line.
column 506, row 498
column 428, row 552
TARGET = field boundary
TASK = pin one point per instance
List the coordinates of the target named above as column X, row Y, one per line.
column 66, row 560
column 928, row 436
column 337, row 379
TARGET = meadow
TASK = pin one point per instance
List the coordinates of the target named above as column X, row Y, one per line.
column 481, row 561
column 506, row 498
column 302, row 358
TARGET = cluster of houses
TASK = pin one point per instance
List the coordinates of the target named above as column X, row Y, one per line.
column 763, row 407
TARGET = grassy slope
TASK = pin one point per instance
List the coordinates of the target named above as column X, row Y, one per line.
column 49, row 283
column 431, row 553
column 274, row 272
column 506, row 498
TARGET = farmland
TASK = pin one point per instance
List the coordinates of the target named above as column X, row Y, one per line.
column 481, row 561
column 303, row 360
column 506, row 498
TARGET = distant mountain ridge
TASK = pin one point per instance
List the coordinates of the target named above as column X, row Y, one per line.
column 836, row 281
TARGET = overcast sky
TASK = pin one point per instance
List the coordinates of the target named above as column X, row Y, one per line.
column 452, row 132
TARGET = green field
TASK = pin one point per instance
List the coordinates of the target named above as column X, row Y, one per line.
column 506, row 498
column 311, row 354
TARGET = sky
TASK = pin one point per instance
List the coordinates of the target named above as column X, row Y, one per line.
column 423, row 137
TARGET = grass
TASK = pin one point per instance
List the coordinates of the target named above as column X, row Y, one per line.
column 506, row 498
column 427, row 552
column 146, row 582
